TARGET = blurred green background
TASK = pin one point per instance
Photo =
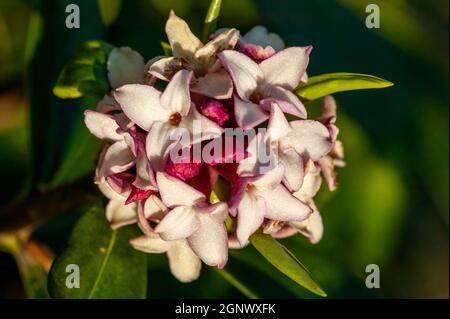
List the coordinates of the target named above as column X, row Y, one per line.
column 392, row 206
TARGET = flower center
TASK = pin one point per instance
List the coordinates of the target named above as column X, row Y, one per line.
column 249, row 187
column 175, row 119
column 256, row 97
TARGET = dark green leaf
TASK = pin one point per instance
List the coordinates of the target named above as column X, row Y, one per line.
column 109, row 266
column 49, row 46
column 280, row 257
column 211, row 19
column 325, row 84
column 85, row 73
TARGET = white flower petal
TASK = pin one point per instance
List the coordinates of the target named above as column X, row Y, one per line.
column 312, row 227
column 311, row 139
column 119, row 214
column 311, row 182
column 248, row 114
column 293, row 169
column 278, row 125
column 270, row 179
column 175, row 192
column 125, row 66
column 183, row 262
column 217, row 85
column 202, row 124
column 161, row 138
column 117, row 158
column 251, row 211
column 110, row 193
column 180, row 222
column 154, row 207
column 141, row 103
column 244, row 72
column 151, row 243
column 176, row 96
column 210, row 241
column 286, row 67
column 183, row 42
column 281, row 205
column 144, row 175
column 102, row 126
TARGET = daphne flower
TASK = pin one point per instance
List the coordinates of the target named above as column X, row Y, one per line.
column 192, row 218
column 183, row 262
column 292, row 143
column 191, row 54
column 165, row 116
column 263, row 196
column 258, row 85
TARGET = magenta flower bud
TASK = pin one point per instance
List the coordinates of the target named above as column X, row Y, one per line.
column 215, row 111
column 183, row 171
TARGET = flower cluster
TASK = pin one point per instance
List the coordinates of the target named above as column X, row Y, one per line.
column 169, row 165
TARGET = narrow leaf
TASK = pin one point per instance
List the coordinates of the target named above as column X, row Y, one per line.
column 85, row 73
column 322, row 85
column 211, row 19
column 280, row 257
column 108, row 266
column 166, row 48
column 236, row 283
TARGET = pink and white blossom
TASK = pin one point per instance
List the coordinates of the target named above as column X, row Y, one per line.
column 257, row 86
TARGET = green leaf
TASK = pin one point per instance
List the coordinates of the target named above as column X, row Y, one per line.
column 80, row 153
column 329, row 83
column 109, row 266
column 109, row 10
column 280, row 257
column 85, row 73
column 34, row 277
column 236, row 283
column 211, row 19
column 166, row 48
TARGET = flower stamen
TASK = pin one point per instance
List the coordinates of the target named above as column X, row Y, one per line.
column 175, row 119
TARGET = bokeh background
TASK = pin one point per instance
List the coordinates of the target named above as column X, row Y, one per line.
column 391, row 208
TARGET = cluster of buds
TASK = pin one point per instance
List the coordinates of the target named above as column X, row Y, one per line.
column 223, row 150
